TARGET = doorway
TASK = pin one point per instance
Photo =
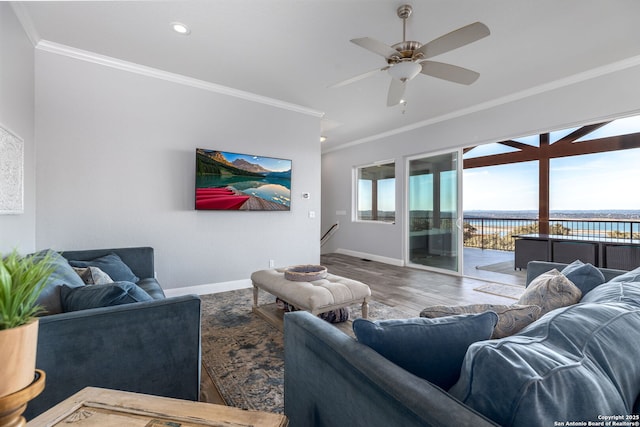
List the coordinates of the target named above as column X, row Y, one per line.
column 433, row 237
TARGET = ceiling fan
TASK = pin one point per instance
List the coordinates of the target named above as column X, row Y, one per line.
column 407, row 59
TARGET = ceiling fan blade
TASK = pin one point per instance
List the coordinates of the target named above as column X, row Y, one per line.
column 376, row 47
column 449, row 72
column 396, row 92
column 455, row 39
column 358, row 77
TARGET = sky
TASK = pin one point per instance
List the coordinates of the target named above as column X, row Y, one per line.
column 588, row 182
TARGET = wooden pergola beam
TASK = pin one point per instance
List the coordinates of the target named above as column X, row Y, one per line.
column 515, row 144
column 579, row 133
column 602, row 145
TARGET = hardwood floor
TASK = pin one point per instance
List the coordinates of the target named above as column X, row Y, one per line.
column 410, row 289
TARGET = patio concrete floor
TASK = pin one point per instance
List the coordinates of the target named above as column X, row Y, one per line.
column 500, row 266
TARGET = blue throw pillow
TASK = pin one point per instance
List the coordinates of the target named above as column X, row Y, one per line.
column 432, row 349
column 110, row 264
column 94, row 296
column 584, row 276
column 63, row 274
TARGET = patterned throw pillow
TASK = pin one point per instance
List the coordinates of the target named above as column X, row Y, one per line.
column 93, row 275
column 511, row 318
column 549, row 291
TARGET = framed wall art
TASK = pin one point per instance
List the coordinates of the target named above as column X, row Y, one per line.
column 11, row 172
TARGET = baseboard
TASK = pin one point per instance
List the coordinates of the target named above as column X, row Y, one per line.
column 372, row 257
column 209, row 288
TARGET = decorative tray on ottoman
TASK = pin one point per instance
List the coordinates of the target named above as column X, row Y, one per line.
column 305, row 273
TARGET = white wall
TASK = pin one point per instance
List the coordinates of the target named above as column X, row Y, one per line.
column 16, row 114
column 607, row 96
column 116, row 167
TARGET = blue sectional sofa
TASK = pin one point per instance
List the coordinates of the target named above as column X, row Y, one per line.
column 144, row 343
column 574, row 364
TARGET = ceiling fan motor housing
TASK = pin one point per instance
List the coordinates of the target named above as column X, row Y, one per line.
column 407, row 52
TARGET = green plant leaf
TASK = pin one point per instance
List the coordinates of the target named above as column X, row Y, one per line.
column 22, row 280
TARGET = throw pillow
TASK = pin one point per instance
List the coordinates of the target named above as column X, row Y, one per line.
column 511, row 318
column 93, row 275
column 63, row 274
column 86, row 297
column 584, row 276
column 549, row 291
column 110, row 264
column 432, row 349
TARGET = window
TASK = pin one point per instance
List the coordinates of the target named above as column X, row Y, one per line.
column 376, row 192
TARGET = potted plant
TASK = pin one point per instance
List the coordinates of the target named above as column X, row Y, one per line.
column 22, row 279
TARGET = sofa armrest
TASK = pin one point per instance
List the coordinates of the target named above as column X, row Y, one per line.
column 150, row 347
column 139, row 259
column 331, row 379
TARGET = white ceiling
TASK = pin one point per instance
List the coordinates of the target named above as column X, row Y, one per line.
column 293, row 50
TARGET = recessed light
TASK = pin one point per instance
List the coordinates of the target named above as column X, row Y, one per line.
column 180, row 28
column 323, row 138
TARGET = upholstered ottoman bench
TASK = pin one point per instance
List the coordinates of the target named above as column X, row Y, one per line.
column 318, row 296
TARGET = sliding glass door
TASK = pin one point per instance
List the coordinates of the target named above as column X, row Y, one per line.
column 433, row 208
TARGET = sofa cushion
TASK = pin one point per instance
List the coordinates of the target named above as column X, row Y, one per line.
column 629, row 276
column 584, row 276
column 63, row 274
column 432, row 349
column 86, row 297
column 93, row 275
column 575, row 363
column 110, row 264
column 627, row 292
column 511, row 318
column 549, row 291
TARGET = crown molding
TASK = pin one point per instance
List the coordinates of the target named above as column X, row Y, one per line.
column 624, row 64
column 25, row 20
column 108, row 61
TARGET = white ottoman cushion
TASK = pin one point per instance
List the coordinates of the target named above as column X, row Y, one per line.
column 317, row 296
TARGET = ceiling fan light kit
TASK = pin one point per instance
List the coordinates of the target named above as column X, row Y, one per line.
column 407, row 59
column 404, row 71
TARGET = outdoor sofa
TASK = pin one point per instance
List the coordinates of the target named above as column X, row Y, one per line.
column 574, row 364
column 151, row 346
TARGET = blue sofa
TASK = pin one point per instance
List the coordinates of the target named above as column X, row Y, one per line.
column 576, row 363
column 151, row 347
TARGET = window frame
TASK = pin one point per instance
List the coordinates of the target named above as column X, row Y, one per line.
column 356, row 217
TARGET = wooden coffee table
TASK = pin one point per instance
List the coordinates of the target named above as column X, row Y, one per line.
column 102, row 407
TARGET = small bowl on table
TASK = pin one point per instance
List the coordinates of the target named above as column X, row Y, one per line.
column 305, row 273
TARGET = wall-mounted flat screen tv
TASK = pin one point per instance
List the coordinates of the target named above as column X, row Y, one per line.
column 233, row 181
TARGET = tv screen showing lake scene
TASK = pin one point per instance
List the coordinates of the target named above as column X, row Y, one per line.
column 233, row 181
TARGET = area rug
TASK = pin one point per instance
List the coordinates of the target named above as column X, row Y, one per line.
column 244, row 355
column 503, row 290
column 505, row 267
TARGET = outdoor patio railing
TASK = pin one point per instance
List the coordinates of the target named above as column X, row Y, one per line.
column 496, row 233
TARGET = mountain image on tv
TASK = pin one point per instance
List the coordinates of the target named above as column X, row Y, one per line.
column 234, row 181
